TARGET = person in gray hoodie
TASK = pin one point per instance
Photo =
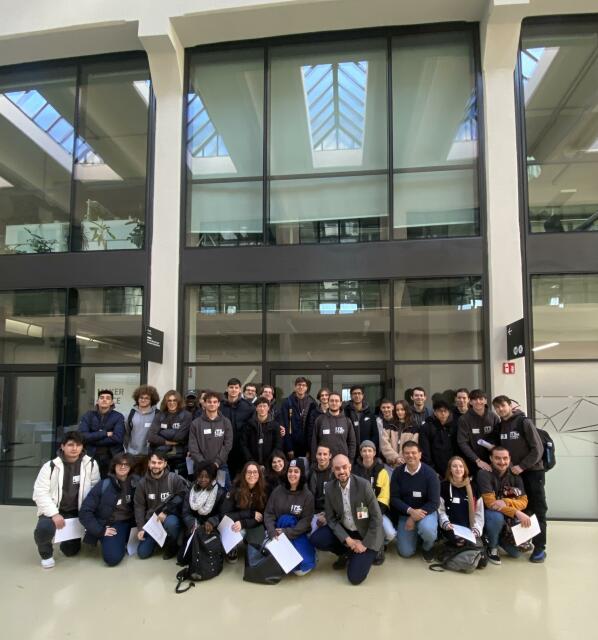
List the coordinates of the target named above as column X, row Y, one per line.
column 211, row 435
column 335, row 430
column 140, row 418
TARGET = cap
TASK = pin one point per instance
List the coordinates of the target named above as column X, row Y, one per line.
column 192, row 393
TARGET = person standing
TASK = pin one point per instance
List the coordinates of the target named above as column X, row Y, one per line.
column 334, row 430
column 261, row 436
column 294, row 413
column 238, row 412
column 362, row 417
column 140, row 419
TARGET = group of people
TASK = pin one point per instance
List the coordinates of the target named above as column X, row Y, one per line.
column 331, row 475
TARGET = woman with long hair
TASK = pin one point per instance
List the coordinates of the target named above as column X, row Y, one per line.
column 290, row 510
column 276, row 471
column 459, row 502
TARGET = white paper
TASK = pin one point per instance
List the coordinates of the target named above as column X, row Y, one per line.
column 72, row 530
column 189, row 463
column 133, row 542
column 229, row 538
column 284, row 553
column 464, row 532
column 155, row 529
column 523, row 534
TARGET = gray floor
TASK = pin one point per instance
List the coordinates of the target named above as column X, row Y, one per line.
column 81, row 598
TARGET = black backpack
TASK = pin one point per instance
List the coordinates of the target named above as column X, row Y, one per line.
column 549, row 455
column 205, row 558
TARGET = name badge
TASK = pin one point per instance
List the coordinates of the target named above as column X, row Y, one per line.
column 128, row 497
column 163, row 426
column 456, row 500
column 119, row 502
column 325, row 432
column 504, row 436
column 475, row 431
column 366, row 418
column 362, row 512
column 147, row 425
column 207, row 432
column 151, row 496
column 260, row 441
column 356, row 423
column 76, row 479
column 417, row 494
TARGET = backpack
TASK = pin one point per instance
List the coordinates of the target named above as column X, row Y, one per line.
column 549, row 455
column 261, row 566
column 205, row 560
column 465, row 559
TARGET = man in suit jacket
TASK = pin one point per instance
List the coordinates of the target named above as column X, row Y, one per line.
column 354, row 522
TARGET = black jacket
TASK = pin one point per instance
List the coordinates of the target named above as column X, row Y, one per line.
column 364, row 422
column 317, row 485
column 245, row 516
column 438, row 443
column 239, row 415
column 296, row 424
column 260, row 439
column 191, row 517
column 471, row 428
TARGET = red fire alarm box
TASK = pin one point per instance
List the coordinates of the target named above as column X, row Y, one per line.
column 508, row 368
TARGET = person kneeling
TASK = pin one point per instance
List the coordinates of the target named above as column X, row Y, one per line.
column 354, row 522
column 107, row 511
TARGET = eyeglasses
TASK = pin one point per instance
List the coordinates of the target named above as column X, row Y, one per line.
column 123, row 464
column 172, row 400
column 251, row 473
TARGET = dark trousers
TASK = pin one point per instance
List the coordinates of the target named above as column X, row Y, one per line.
column 115, row 547
column 534, row 481
column 103, row 457
column 43, row 534
column 358, row 565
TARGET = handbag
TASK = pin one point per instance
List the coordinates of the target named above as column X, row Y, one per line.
column 205, row 559
column 261, row 566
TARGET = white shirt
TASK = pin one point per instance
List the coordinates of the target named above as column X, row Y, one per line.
column 347, row 520
column 419, row 466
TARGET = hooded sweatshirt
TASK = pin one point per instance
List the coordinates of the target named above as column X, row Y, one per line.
column 137, row 429
column 210, row 440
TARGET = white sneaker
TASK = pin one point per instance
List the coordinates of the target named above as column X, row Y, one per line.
column 48, row 563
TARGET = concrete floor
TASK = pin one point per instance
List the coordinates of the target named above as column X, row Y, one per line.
column 81, row 598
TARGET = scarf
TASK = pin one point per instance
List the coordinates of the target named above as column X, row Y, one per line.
column 470, row 500
column 203, row 500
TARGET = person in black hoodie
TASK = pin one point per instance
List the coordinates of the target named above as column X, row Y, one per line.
column 107, row 512
column 238, row 411
column 169, row 433
column 261, row 436
column 477, row 433
column 362, row 417
column 320, row 475
column 438, row 438
column 315, row 411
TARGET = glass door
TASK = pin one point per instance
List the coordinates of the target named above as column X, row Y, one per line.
column 27, row 431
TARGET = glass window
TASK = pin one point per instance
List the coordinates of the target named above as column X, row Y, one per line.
column 559, row 71
column 105, row 325
column 223, row 323
column 567, row 407
column 565, row 317
column 215, row 377
column 111, row 156
column 333, row 320
column 36, row 151
column 439, row 319
column 32, row 326
column 224, row 139
column 441, row 379
column 434, row 128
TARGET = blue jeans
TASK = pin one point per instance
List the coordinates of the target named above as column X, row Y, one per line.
column 146, row 547
column 426, row 529
column 494, row 521
column 115, row 547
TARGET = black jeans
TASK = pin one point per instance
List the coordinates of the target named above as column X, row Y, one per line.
column 533, row 482
column 43, row 534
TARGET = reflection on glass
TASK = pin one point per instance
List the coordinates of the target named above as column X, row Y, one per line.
column 223, row 323
column 565, row 317
column 435, row 204
column 328, row 210
column 438, row 319
column 105, row 325
column 215, row 377
column 225, row 214
column 111, row 156
column 328, row 107
column 560, row 72
column 36, row 147
column 32, row 326
column 441, row 379
column 333, row 320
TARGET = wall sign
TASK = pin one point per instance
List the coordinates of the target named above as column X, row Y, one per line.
column 516, row 340
column 153, row 345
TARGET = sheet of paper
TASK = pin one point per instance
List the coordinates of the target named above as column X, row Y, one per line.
column 464, row 532
column 229, row 538
column 523, row 534
column 155, row 529
column 284, row 553
column 189, row 540
column 133, row 542
column 221, row 478
column 189, row 463
column 72, row 529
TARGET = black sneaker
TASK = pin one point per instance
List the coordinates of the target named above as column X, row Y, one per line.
column 232, row 556
column 170, row 550
column 493, row 556
column 340, row 563
column 379, row 558
column 428, row 555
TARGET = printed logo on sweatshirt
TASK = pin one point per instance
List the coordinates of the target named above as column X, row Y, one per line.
column 488, row 429
column 296, row 509
column 176, row 425
column 165, row 495
column 218, row 433
column 513, row 435
column 340, row 430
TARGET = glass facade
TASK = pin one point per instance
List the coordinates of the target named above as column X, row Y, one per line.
column 559, row 72
column 333, row 172
column 73, row 156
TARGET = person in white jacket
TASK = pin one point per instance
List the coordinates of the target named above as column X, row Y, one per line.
column 60, row 488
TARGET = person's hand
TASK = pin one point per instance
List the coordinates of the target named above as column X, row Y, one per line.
column 140, row 535
column 410, row 524
column 448, row 527
column 282, row 431
column 290, row 455
column 359, row 547
column 58, row 521
column 476, row 533
column 161, row 517
column 258, row 517
column 109, row 434
column 524, row 519
column 236, row 526
column 517, row 470
column 321, row 520
column 483, row 465
column 497, row 505
column 208, row 527
column 110, row 531
column 417, row 514
column 277, row 532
